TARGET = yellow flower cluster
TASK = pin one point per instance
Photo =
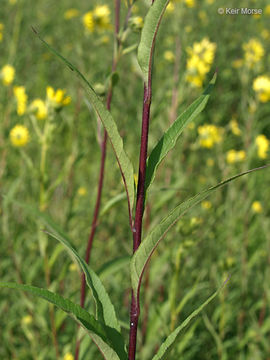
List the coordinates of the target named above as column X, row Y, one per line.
column 200, row 59
column 209, row 135
column 257, row 207
column 234, row 156
column 262, row 146
column 188, row 3
column 136, row 23
column 7, row 74
column 254, row 51
column 262, row 87
column 98, row 19
column 1, row 31
column 21, row 98
column 234, row 127
column 39, row 109
column 68, row 356
column 57, row 98
column 19, row 135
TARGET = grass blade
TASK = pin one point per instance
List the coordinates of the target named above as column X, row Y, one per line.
column 164, row 348
column 149, row 32
column 103, row 336
column 109, row 124
column 169, row 138
column 148, row 246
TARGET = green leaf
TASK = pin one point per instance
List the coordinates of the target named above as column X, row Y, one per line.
column 169, row 138
column 109, row 124
column 149, row 32
column 172, row 337
column 148, row 246
column 104, row 306
column 104, row 337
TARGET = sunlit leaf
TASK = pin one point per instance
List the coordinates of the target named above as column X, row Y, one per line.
column 147, row 247
column 169, row 138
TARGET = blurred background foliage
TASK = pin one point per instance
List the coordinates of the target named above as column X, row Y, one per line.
column 227, row 234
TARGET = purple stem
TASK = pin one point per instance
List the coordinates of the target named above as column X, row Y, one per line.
column 101, row 176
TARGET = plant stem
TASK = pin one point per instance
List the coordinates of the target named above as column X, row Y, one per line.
column 101, row 171
column 134, row 308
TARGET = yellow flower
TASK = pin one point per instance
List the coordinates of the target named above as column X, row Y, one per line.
column 234, row 156
column 254, row 51
column 88, row 21
column 68, row 356
column 190, row 3
column 234, row 127
column 210, row 2
column 262, row 87
column 169, row 56
column 57, row 98
column 1, row 31
column 82, row 191
column 262, row 146
column 71, row 13
column 21, row 97
column 7, row 74
column 27, row 319
column 257, row 207
column 98, row 19
column 19, row 135
column 136, row 23
column 200, row 59
column 209, row 135
column 170, row 7
column 267, row 10
column 206, row 204
column 39, row 108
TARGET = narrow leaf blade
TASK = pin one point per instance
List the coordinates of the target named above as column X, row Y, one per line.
column 148, row 246
column 100, row 334
column 105, row 308
column 164, row 348
column 149, row 32
column 109, row 124
column 169, row 138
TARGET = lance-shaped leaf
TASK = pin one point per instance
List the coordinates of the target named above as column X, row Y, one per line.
column 109, row 124
column 169, row 138
column 149, row 32
column 164, row 348
column 103, row 336
column 147, row 247
column 104, row 306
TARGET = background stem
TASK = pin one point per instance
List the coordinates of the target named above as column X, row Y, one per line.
column 102, row 169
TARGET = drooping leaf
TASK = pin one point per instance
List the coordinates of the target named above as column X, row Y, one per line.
column 149, row 32
column 103, row 336
column 104, row 306
column 109, row 124
column 169, row 138
column 147, row 247
column 164, row 348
